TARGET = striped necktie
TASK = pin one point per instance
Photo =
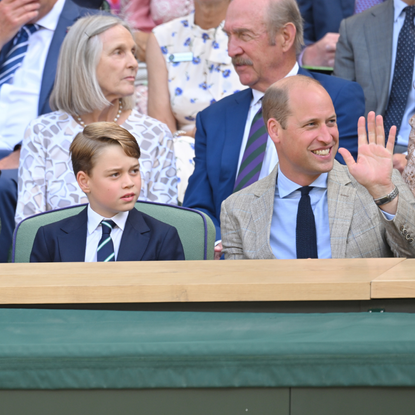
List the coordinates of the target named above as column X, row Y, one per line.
column 403, row 72
column 17, row 53
column 254, row 153
column 105, row 250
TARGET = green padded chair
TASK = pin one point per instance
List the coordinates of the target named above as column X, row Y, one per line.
column 196, row 230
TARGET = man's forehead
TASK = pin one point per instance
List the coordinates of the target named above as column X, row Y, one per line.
column 243, row 14
column 310, row 101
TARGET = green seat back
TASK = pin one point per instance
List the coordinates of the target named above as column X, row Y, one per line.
column 196, row 230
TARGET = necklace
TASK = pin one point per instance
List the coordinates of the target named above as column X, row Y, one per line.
column 78, row 117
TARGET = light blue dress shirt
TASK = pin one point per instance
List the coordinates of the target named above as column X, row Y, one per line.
column 399, row 18
column 284, row 217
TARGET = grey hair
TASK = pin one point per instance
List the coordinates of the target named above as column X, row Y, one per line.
column 279, row 14
column 76, row 89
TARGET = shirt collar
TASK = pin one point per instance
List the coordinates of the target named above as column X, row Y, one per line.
column 398, row 6
column 287, row 186
column 94, row 220
column 257, row 95
column 50, row 21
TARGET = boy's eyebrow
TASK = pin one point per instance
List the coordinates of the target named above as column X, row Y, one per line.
column 120, row 168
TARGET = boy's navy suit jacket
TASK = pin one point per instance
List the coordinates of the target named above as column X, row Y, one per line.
column 144, row 239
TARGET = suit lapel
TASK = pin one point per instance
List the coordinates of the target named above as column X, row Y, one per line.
column 70, row 13
column 72, row 238
column 235, row 121
column 379, row 36
column 263, row 208
column 340, row 198
column 135, row 238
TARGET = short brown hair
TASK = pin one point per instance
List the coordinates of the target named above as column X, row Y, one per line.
column 87, row 145
column 275, row 103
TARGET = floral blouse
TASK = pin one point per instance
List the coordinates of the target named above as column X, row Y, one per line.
column 204, row 76
column 46, row 177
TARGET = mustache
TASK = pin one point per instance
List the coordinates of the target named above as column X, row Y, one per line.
column 239, row 60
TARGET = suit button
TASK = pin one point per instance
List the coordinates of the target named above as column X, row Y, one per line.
column 410, row 240
column 402, row 228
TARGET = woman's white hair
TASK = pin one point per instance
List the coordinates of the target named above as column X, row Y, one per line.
column 76, row 89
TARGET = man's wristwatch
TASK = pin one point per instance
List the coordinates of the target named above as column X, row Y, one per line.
column 388, row 198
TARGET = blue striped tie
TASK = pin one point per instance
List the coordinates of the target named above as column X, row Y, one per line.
column 105, row 250
column 17, row 53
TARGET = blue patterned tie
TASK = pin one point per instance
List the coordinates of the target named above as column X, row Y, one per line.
column 402, row 75
column 306, row 235
column 105, row 250
column 254, row 153
column 17, row 53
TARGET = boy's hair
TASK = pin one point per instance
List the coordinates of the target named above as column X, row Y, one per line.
column 87, row 145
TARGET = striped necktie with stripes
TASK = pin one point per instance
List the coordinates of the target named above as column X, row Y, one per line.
column 14, row 58
column 254, row 153
column 105, row 250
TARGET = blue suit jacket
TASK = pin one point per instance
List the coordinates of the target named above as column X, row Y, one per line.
column 69, row 15
column 219, row 134
column 323, row 16
column 144, row 239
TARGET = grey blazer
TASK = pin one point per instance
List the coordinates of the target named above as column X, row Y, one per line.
column 358, row 228
column 364, row 53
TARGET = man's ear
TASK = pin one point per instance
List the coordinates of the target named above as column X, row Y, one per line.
column 288, row 36
column 274, row 130
column 83, row 181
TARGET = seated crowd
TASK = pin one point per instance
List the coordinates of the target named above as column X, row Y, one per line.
column 238, row 127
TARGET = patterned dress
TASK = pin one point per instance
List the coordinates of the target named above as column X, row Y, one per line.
column 196, row 83
column 46, row 177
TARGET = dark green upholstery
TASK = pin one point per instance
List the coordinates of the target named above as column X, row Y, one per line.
column 196, row 230
column 95, row 349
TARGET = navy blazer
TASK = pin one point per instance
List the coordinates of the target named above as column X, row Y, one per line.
column 323, row 16
column 69, row 15
column 144, row 239
column 219, row 134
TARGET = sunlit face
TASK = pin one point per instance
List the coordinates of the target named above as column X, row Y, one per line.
column 255, row 60
column 114, row 184
column 308, row 145
column 117, row 66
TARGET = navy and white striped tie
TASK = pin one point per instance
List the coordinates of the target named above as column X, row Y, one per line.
column 17, row 53
column 105, row 250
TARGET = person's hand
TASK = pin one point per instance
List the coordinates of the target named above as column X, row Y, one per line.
column 399, row 162
column 13, row 15
column 218, row 250
column 374, row 165
column 11, row 161
column 321, row 53
column 141, row 41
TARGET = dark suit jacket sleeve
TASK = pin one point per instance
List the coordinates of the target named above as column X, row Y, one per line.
column 199, row 193
column 171, row 247
column 350, row 106
column 40, row 249
column 344, row 63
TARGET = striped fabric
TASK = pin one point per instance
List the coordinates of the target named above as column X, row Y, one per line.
column 254, row 153
column 105, row 250
column 362, row 5
column 17, row 53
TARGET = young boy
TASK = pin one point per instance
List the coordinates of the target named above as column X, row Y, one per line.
column 105, row 162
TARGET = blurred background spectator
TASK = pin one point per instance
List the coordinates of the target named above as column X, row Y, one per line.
column 189, row 69
column 94, row 82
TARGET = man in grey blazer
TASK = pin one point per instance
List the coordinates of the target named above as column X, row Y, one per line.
column 366, row 53
column 362, row 210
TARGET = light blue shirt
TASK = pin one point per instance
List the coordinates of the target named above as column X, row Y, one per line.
column 284, row 217
column 399, row 18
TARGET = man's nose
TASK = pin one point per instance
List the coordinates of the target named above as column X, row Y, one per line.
column 233, row 47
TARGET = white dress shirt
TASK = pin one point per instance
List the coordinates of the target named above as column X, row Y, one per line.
column 271, row 156
column 94, row 233
column 19, row 100
column 399, row 18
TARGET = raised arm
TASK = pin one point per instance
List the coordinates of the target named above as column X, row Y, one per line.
column 374, row 165
column 158, row 92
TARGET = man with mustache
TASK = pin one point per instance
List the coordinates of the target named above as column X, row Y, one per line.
column 232, row 146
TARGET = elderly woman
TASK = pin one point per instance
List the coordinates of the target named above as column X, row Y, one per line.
column 94, row 82
column 188, row 70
